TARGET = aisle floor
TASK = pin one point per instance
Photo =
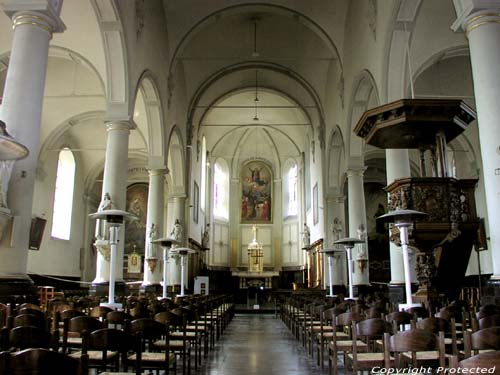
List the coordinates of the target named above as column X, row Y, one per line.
column 258, row 344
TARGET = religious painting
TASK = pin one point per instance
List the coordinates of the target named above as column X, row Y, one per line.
column 256, row 188
column 135, row 231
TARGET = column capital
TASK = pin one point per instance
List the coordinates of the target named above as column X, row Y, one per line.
column 474, row 13
column 122, row 125
column 156, row 171
column 42, row 13
column 356, row 171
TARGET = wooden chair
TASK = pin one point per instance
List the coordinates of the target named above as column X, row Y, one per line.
column 489, row 321
column 41, row 361
column 341, row 345
column 399, row 319
column 487, row 310
column 73, row 329
column 180, row 340
column 370, row 330
column 486, row 339
column 100, row 312
column 416, row 347
column 326, row 331
column 108, row 349
column 25, row 337
column 436, row 325
column 486, row 361
column 150, row 331
column 4, row 313
column 117, row 319
column 30, row 320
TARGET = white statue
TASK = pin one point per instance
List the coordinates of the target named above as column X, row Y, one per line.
column 5, row 173
column 176, row 232
column 205, row 239
column 337, row 229
column 306, row 236
column 106, row 203
column 152, row 232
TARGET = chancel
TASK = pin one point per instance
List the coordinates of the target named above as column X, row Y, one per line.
column 266, row 151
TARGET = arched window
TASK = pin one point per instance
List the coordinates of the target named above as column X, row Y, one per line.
column 221, row 191
column 203, row 173
column 63, row 196
column 293, row 206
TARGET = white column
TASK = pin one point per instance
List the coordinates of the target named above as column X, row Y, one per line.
column 21, row 111
column 176, row 211
column 357, row 216
column 481, row 22
column 397, row 166
column 115, row 184
column 336, row 213
column 155, row 217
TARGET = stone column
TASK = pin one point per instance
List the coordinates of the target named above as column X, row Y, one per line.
column 481, row 22
column 277, row 211
column 114, row 184
column 21, row 111
column 234, row 227
column 176, row 211
column 398, row 166
column 154, row 223
column 91, row 205
column 357, row 217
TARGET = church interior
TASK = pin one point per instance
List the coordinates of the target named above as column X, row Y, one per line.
column 329, row 170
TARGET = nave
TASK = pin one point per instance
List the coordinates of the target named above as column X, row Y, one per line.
column 255, row 344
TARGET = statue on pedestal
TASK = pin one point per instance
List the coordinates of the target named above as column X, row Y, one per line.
column 306, row 236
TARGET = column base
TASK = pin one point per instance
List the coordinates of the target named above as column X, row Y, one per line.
column 362, row 289
column 18, row 290
column 491, row 292
column 397, row 293
column 102, row 289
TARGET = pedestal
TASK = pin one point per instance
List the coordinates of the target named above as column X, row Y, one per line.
column 491, row 293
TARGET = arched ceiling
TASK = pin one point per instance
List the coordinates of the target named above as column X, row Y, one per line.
column 272, row 128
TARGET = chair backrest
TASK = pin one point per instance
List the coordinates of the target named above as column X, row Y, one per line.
column 418, row 312
column 488, row 360
column 435, row 325
column 30, row 320
column 25, row 337
column 112, row 339
column 414, row 340
column 399, row 317
column 82, row 323
column 100, row 312
column 117, row 317
column 41, row 361
column 373, row 327
column 489, row 321
column 487, row 338
column 32, row 311
column 375, row 312
column 147, row 327
column 487, row 310
column 4, row 312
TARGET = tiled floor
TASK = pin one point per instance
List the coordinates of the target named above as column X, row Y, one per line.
column 258, row 344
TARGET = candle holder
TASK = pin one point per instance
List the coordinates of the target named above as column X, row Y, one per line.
column 114, row 220
column 349, row 243
column 403, row 219
column 183, row 252
column 166, row 243
column 330, row 253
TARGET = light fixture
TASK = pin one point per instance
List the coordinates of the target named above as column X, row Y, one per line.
column 114, row 220
column 402, row 219
column 330, row 253
column 166, row 243
column 349, row 243
column 255, row 53
column 9, row 148
column 256, row 100
column 183, row 252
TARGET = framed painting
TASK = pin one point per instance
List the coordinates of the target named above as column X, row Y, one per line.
column 196, row 202
column 256, row 193
column 135, row 231
column 315, row 204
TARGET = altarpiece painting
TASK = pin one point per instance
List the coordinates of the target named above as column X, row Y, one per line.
column 256, row 193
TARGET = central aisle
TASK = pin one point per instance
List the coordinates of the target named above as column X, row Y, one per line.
column 258, row 344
